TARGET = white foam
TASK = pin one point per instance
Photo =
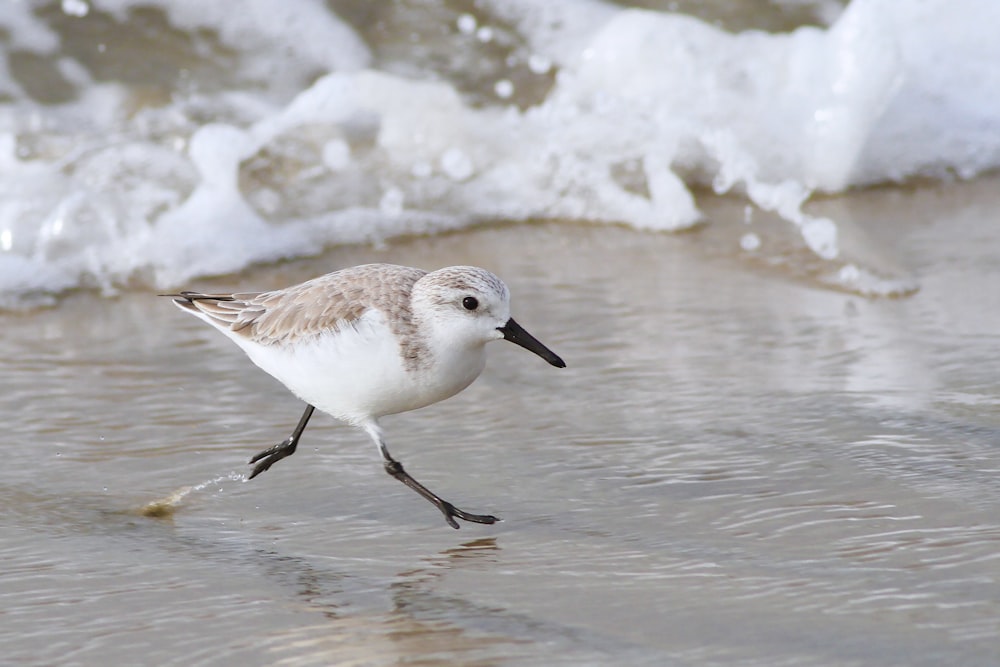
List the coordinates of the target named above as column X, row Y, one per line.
column 466, row 24
column 504, row 88
column 77, row 8
column 302, row 31
column 336, row 154
column 456, row 164
column 106, row 190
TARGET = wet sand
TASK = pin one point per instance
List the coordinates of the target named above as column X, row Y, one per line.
column 738, row 466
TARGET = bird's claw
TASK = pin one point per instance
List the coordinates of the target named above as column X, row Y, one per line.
column 450, row 512
column 270, row 456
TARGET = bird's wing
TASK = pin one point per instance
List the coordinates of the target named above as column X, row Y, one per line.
column 324, row 304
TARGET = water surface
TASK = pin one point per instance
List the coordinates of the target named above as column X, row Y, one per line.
column 738, row 466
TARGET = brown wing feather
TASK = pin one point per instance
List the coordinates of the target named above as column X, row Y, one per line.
column 324, row 304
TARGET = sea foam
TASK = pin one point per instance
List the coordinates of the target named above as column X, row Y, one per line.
column 308, row 142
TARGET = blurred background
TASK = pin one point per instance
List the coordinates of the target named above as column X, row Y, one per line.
column 134, row 132
column 762, row 233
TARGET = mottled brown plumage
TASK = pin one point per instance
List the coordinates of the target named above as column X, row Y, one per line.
column 322, row 305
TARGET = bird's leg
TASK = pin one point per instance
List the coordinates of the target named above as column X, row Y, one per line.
column 395, row 468
column 286, row 447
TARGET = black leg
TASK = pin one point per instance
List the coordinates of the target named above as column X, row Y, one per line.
column 286, row 447
column 395, row 468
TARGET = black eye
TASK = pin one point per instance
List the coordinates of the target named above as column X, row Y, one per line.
column 470, row 303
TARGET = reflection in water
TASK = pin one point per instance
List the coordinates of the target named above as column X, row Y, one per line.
column 413, row 620
column 417, row 621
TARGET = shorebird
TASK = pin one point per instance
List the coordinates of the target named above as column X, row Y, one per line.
column 370, row 341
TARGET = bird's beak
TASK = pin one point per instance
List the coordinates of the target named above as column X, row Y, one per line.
column 513, row 332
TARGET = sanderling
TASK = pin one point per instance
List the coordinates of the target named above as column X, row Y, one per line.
column 370, row 341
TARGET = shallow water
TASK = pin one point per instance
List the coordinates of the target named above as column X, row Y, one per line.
column 737, row 467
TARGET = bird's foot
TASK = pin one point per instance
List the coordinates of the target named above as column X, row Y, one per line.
column 395, row 468
column 451, row 512
column 272, row 455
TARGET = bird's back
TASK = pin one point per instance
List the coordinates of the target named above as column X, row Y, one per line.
column 322, row 305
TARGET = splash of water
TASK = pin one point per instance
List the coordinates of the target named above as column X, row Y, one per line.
column 165, row 507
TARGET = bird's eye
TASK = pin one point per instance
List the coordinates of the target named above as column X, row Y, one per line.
column 470, row 303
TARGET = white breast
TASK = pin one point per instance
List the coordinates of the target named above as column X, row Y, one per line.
column 357, row 372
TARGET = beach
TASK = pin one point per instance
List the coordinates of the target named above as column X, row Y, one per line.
column 737, row 467
column 771, row 272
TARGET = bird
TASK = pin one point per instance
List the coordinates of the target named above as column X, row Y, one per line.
column 368, row 341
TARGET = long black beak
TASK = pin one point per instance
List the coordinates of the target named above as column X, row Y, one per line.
column 513, row 332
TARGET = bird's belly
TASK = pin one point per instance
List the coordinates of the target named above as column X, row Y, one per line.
column 358, row 373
